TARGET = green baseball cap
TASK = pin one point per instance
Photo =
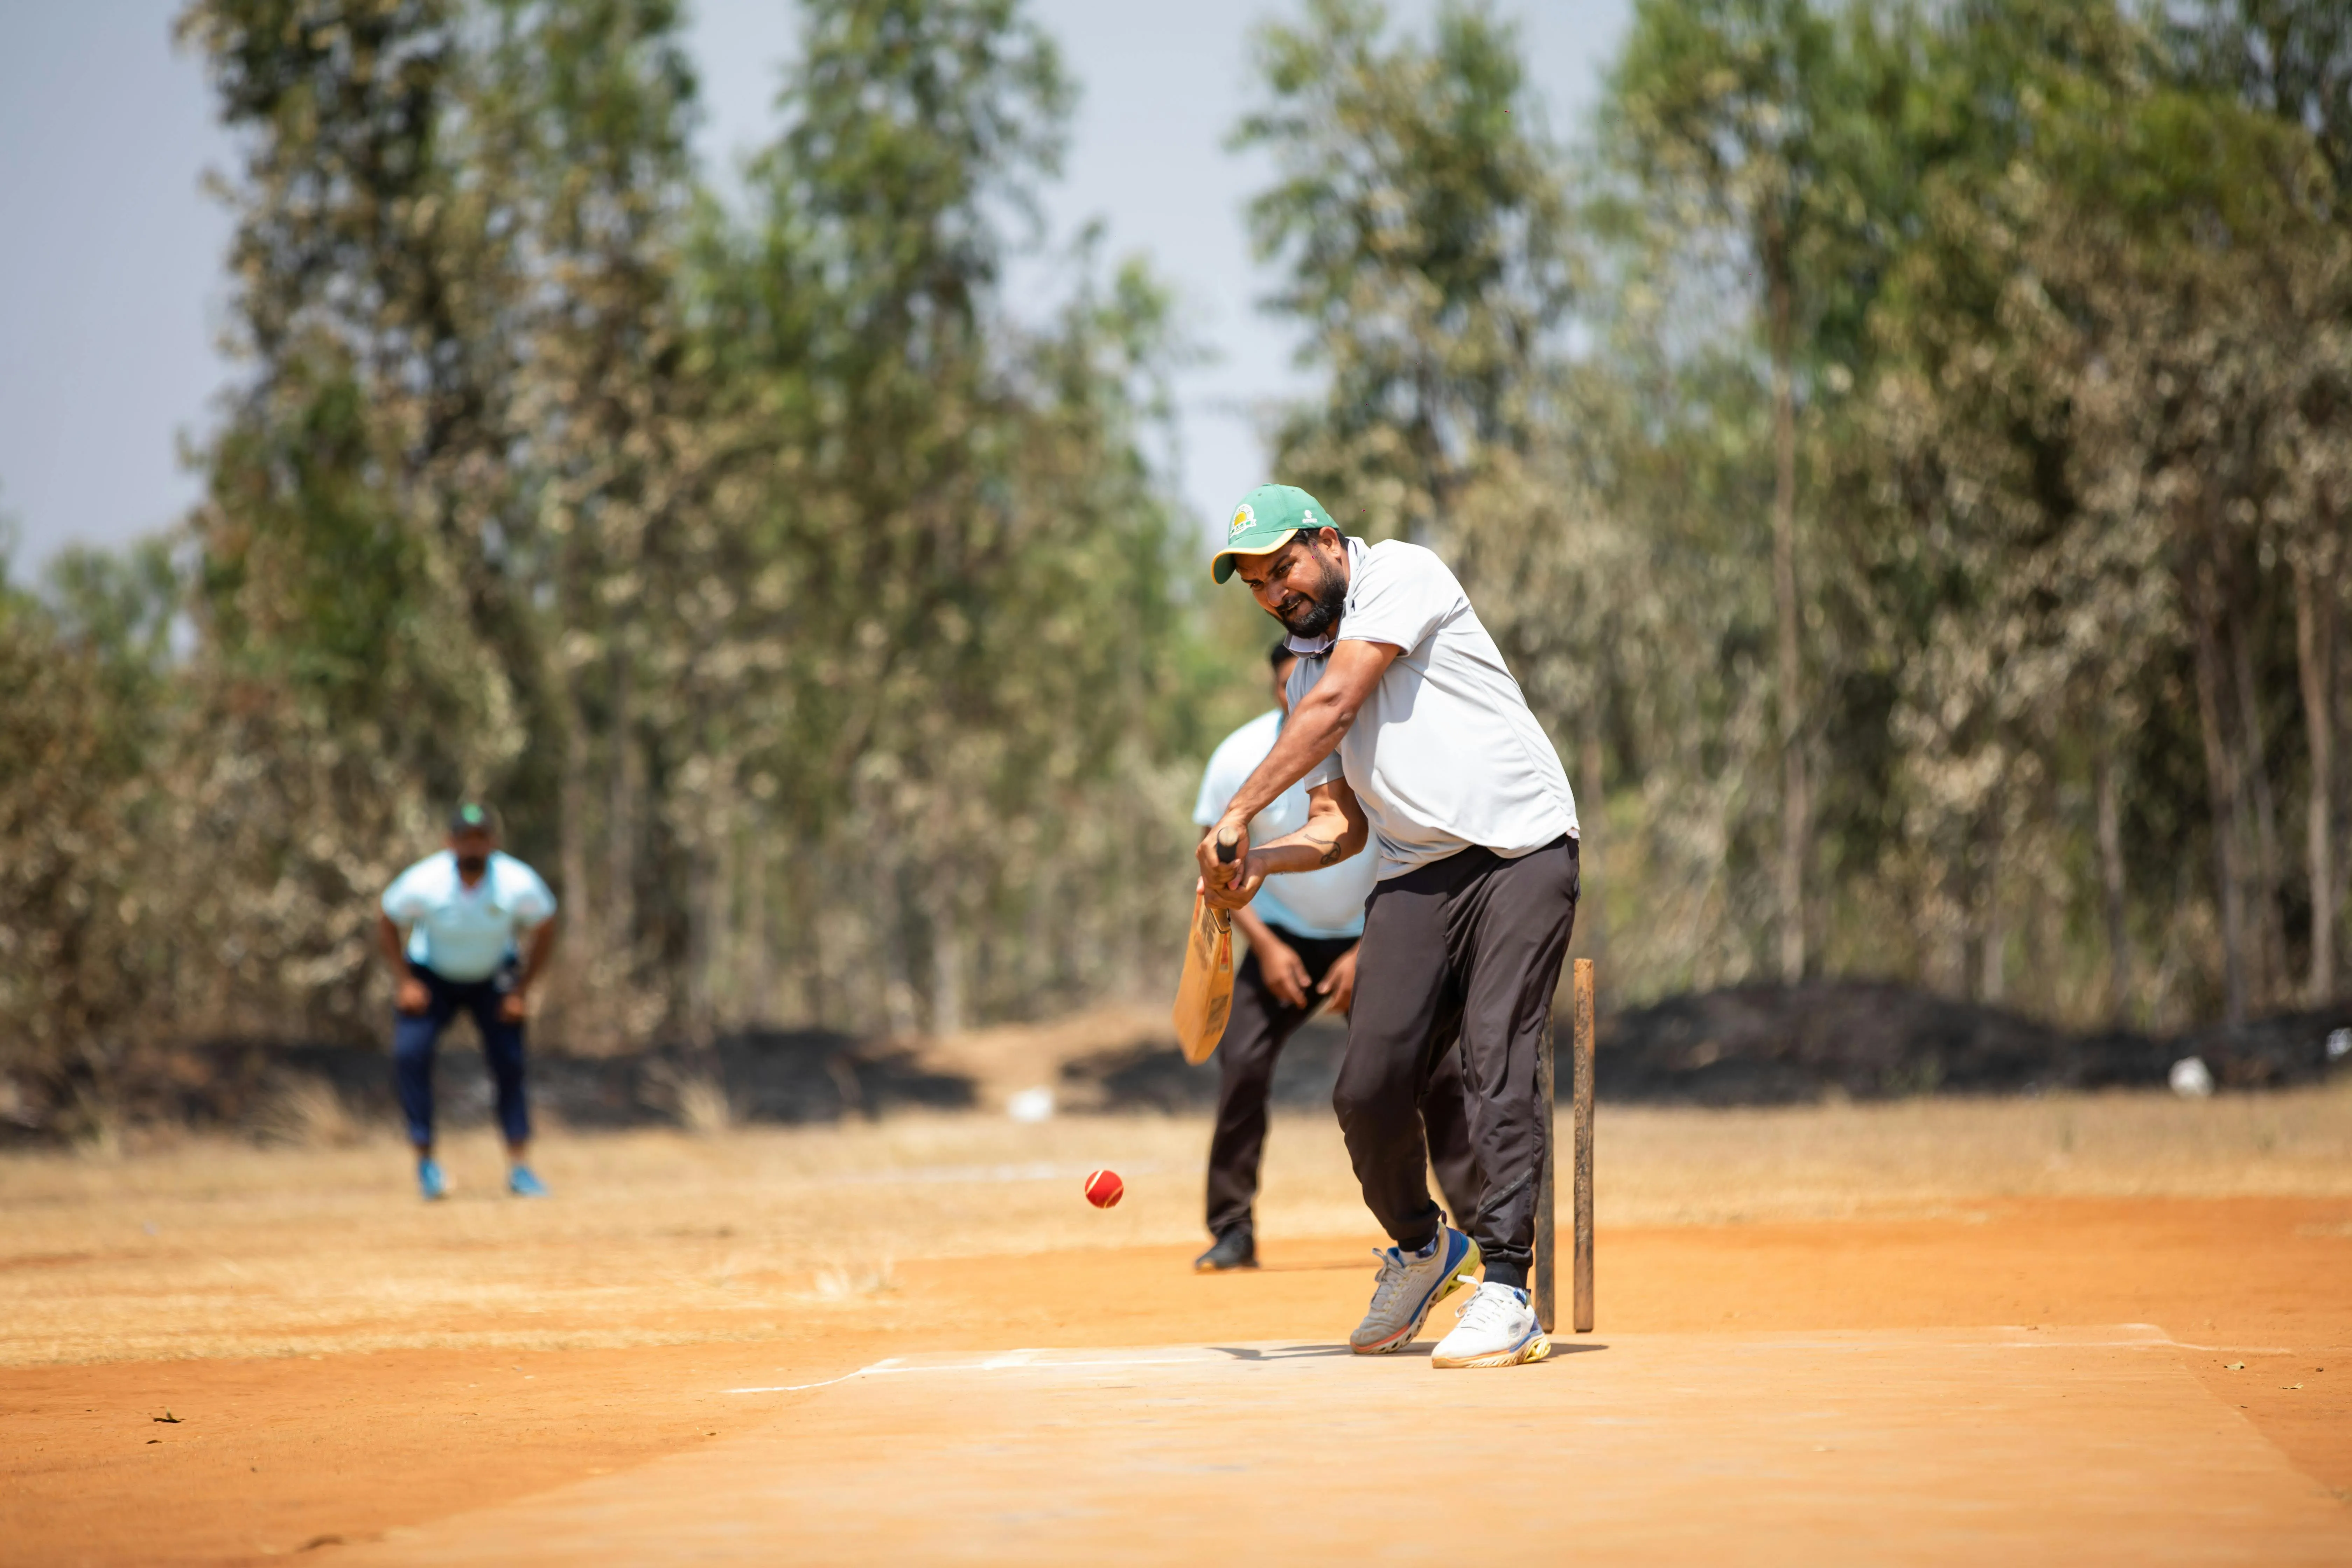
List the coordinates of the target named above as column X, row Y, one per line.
column 1264, row 524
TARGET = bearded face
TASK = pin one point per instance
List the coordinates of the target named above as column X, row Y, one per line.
column 473, row 852
column 1316, row 609
column 1303, row 584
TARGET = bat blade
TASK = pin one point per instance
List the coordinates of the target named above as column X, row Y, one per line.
column 1204, row 996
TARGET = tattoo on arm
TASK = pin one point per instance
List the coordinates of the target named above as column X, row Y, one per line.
column 1330, row 850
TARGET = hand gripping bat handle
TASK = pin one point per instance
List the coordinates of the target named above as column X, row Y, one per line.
column 1228, row 841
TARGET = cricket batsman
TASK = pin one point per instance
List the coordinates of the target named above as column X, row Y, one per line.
column 1414, row 739
column 1302, row 954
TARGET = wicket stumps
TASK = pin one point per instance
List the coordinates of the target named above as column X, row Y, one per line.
column 1546, row 1296
column 1583, row 1115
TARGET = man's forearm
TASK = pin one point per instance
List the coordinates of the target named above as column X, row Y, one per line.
column 534, row 961
column 1335, row 829
column 392, row 944
column 1313, row 730
column 1301, row 852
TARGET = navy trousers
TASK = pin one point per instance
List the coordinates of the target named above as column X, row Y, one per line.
column 414, row 1036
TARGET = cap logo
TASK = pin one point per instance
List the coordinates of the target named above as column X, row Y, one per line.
column 1243, row 518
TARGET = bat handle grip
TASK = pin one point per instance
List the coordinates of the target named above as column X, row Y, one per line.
column 1228, row 841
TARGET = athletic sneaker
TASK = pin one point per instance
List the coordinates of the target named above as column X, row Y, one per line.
column 1497, row 1327
column 1237, row 1248
column 430, row 1181
column 523, row 1184
column 1410, row 1285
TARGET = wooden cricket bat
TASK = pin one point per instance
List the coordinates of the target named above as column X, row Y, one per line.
column 1204, row 996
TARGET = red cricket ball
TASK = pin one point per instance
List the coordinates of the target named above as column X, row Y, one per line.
column 1104, row 1188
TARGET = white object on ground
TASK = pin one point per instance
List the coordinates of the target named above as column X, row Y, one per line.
column 2191, row 1079
column 1031, row 1105
column 2339, row 1044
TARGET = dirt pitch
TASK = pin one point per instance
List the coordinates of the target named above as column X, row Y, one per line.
column 2110, row 1328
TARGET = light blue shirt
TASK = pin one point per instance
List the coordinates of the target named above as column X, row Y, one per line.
column 467, row 934
column 1326, row 903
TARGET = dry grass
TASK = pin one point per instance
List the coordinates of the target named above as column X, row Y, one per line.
column 214, row 1248
column 1701, row 1167
column 307, row 1114
column 697, row 1099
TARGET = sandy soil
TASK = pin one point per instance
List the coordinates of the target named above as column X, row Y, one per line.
column 342, row 1361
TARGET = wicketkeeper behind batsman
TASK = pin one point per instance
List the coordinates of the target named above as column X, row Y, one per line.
column 1413, row 738
column 1302, row 953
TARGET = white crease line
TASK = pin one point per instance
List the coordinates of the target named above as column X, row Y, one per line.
column 1012, row 1360
column 1026, row 1360
column 793, row 1387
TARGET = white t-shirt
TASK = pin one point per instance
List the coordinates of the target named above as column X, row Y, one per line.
column 1328, row 903
column 465, row 933
column 1444, row 755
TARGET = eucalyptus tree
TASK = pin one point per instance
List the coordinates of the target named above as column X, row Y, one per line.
column 360, row 626
column 1727, row 110
column 1421, row 226
column 971, row 550
column 2111, row 342
column 2292, row 59
column 583, row 111
column 87, row 707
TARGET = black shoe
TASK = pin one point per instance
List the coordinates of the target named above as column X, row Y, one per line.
column 1237, row 1248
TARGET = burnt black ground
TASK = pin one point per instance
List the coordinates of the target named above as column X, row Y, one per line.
column 1760, row 1045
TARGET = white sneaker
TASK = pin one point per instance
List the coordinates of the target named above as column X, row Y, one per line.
column 1409, row 1286
column 1497, row 1327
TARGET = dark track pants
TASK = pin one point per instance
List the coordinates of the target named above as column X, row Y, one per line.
column 414, row 1036
column 1260, row 1024
column 1463, row 952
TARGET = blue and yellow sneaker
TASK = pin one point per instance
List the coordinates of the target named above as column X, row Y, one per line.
column 430, row 1181
column 1411, row 1284
column 523, row 1184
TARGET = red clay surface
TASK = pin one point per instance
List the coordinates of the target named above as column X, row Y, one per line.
column 269, row 1457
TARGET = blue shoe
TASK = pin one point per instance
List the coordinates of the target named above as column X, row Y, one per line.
column 430, row 1181
column 523, row 1184
column 1410, row 1285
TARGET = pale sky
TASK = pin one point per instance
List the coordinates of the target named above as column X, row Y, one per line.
column 110, row 285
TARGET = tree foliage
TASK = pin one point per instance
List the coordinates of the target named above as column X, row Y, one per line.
column 1925, row 531
column 1902, row 450
column 809, row 617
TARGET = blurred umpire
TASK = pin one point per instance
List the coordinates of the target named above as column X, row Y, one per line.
column 466, row 930
column 1303, row 934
